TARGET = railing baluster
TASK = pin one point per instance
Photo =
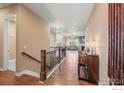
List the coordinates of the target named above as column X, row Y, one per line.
column 62, row 53
column 59, row 55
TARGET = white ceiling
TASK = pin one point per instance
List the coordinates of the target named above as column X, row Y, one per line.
column 65, row 18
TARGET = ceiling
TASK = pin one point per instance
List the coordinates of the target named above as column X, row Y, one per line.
column 68, row 19
column 65, row 18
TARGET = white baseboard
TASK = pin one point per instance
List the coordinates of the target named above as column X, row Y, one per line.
column 36, row 74
column 104, row 82
column 1, row 69
column 41, row 82
column 54, row 69
column 28, row 72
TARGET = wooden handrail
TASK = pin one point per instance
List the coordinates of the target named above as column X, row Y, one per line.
column 43, row 54
column 51, row 51
column 59, row 48
column 23, row 53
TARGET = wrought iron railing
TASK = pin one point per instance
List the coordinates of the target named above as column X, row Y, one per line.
column 51, row 59
column 48, row 60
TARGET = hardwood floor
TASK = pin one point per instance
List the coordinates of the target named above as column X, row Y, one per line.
column 66, row 74
column 9, row 78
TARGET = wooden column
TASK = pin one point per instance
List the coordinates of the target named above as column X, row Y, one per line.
column 43, row 65
column 116, row 44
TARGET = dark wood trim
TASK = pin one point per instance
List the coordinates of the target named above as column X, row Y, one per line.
column 93, row 67
column 43, row 61
column 51, row 51
column 23, row 53
column 43, row 65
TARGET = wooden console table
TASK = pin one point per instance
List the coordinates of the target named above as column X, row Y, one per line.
column 93, row 67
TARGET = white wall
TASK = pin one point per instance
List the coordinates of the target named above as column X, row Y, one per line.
column 97, row 31
column 59, row 37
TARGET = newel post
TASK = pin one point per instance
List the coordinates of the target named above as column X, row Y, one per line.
column 43, row 65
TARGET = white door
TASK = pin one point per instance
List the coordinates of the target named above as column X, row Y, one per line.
column 12, row 65
column 9, row 62
column 5, row 44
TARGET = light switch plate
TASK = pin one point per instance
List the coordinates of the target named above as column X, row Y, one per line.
column 24, row 47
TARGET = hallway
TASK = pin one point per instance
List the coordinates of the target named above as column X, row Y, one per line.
column 66, row 74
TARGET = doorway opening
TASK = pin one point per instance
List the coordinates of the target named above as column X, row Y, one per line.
column 9, row 43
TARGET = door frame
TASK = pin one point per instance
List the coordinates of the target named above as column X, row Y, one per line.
column 6, row 41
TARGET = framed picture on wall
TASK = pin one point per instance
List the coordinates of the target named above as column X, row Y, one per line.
column 82, row 39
